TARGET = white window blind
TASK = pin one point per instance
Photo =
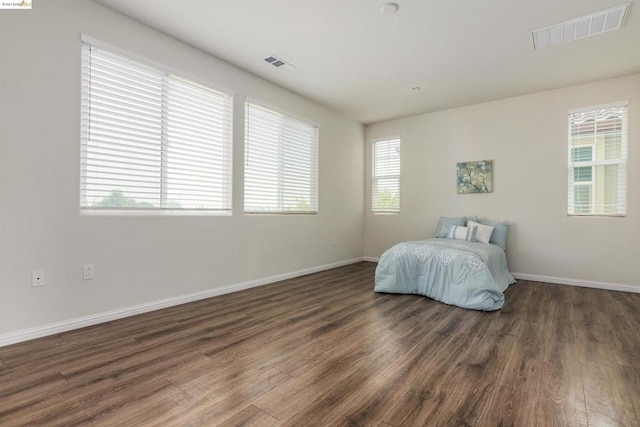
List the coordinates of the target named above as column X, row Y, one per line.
column 385, row 185
column 281, row 163
column 151, row 140
column 598, row 161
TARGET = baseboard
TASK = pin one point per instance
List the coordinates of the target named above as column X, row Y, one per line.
column 371, row 259
column 578, row 282
column 107, row 316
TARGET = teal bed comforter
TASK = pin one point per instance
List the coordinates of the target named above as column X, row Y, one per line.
column 471, row 275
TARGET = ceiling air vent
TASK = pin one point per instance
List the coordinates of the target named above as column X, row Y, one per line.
column 579, row 28
column 277, row 62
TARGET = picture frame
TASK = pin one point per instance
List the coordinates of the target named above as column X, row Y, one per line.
column 475, row 177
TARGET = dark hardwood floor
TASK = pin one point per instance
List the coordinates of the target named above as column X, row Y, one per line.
column 325, row 349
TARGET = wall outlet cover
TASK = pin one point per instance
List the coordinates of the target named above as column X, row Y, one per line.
column 88, row 272
column 37, row 278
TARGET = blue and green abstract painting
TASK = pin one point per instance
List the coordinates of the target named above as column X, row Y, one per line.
column 475, row 177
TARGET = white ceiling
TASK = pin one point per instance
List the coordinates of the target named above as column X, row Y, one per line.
column 351, row 57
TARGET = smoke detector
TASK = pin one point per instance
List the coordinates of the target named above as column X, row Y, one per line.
column 389, row 8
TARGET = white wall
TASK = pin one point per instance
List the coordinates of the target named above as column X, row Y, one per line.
column 526, row 137
column 139, row 259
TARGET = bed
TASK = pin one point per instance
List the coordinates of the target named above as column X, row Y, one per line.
column 463, row 272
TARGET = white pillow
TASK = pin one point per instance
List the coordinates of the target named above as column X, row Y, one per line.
column 462, row 233
column 484, row 231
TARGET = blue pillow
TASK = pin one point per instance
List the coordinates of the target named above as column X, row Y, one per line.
column 445, row 224
column 499, row 235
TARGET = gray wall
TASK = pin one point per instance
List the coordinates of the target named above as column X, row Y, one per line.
column 140, row 259
column 526, row 137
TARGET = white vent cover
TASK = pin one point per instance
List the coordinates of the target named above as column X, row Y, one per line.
column 277, row 62
column 579, row 28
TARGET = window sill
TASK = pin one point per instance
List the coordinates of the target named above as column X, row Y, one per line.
column 152, row 212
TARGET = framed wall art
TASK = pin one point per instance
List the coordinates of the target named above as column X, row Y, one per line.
column 475, row 177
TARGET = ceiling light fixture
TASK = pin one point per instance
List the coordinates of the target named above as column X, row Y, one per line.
column 389, row 8
column 579, row 28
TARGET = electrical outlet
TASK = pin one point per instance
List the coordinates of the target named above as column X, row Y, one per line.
column 333, row 241
column 87, row 272
column 37, row 278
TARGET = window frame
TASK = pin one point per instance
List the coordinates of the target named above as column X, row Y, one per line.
column 621, row 162
column 174, row 78
column 376, row 178
column 285, row 121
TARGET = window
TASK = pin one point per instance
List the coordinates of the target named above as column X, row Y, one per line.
column 151, row 141
column 281, row 163
column 582, row 179
column 385, row 186
column 598, row 161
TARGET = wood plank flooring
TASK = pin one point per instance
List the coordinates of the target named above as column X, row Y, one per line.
column 325, row 350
